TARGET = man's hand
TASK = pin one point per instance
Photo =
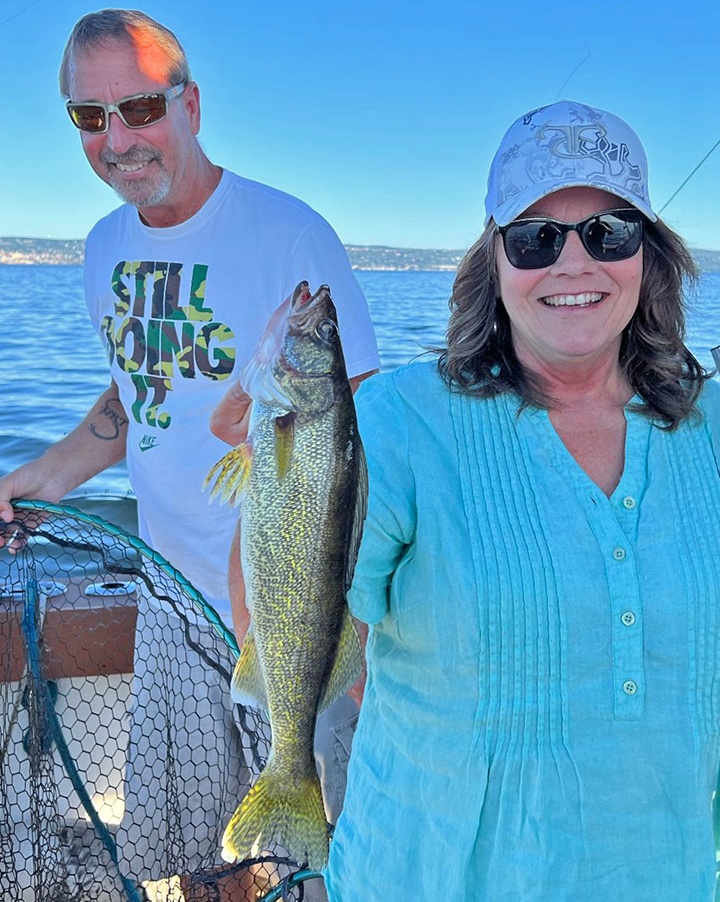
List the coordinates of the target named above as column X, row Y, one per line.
column 29, row 481
column 231, row 418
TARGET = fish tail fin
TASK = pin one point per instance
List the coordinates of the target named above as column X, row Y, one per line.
column 292, row 816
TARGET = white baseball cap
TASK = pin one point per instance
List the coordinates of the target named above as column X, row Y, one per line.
column 564, row 145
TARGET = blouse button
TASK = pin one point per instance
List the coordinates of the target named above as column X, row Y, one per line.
column 629, row 502
column 630, row 687
column 619, row 554
column 628, row 618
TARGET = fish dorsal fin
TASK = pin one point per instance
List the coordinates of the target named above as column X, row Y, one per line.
column 232, row 471
column 358, row 520
column 284, row 443
column 248, row 683
column 348, row 665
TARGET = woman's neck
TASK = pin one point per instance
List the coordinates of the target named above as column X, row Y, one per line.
column 576, row 384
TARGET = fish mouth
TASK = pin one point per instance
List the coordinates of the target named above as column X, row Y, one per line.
column 263, row 372
column 304, row 308
column 303, row 301
column 300, row 296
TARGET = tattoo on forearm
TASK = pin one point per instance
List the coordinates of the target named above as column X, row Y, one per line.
column 109, row 429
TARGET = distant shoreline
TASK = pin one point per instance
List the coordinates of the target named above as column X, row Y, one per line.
column 62, row 252
column 59, row 252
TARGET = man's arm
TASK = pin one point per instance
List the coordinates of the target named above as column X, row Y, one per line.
column 97, row 443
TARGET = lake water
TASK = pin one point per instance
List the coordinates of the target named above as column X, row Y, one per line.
column 53, row 366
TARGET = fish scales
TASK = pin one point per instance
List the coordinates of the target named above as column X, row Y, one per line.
column 293, row 552
column 302, row 481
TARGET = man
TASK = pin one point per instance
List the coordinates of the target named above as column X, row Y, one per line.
column 180, row 282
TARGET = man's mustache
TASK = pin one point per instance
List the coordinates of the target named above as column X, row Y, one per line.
column 133, row 156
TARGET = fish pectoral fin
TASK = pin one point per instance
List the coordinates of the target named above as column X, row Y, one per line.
column 284, row 442
column 248, row 683
column 348, row 666
column 232, row 472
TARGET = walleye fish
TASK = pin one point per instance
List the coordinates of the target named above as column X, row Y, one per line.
column 301, row 481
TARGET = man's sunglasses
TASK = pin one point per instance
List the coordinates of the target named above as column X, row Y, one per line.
column 537, row 242
column 135, row 112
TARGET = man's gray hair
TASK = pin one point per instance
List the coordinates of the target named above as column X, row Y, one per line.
column 131, row 27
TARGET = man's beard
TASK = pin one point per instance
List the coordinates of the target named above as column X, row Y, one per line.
column 143, row 192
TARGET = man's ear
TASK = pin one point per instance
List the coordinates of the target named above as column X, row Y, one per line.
column 190, row 99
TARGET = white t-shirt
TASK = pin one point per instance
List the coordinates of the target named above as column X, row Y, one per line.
column 180, row 311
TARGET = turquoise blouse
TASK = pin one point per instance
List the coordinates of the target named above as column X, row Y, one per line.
column 542, row 715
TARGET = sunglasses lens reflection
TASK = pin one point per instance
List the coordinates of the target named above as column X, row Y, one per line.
column 88, row 117
column 532, row 245
column 143, row 110
column 611, row 238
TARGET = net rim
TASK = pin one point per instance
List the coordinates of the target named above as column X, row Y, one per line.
column 67, row 510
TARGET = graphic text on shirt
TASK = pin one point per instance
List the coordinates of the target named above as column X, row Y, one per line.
column 154, row 338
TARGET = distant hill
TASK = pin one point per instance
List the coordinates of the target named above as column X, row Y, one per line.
column 56, row 251
column 378, row 257
column 41, row 250
column 707, row 261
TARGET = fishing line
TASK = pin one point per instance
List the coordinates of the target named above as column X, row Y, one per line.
column 675, row 193
column 589, row 54
column 673, row 196
column 20, row 12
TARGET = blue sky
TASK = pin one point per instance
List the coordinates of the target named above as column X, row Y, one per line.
column 384, row 116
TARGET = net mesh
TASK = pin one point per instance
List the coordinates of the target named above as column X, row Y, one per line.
column 121, row 759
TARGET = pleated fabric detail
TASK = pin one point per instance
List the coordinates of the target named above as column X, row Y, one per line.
column 690, row 460
column 522, row 698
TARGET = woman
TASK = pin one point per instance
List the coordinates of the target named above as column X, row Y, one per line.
column 541, row 561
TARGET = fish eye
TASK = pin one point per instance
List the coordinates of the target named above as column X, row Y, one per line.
column 326, row 329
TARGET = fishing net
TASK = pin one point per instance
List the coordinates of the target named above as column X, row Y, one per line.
column 118, row 768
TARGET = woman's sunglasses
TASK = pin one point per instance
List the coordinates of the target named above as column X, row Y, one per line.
column 537, row 242
column 135, row 112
